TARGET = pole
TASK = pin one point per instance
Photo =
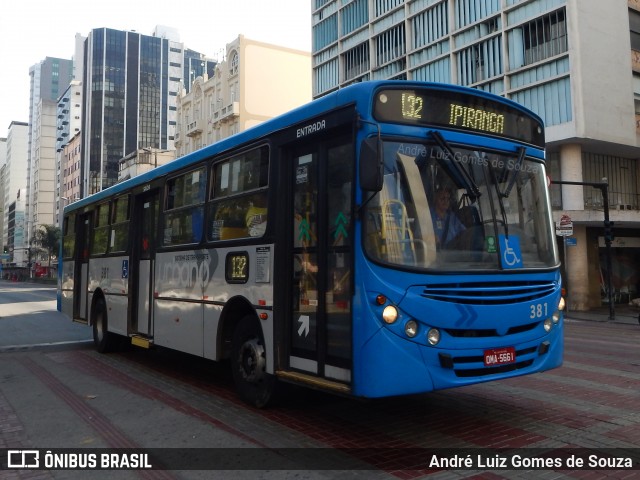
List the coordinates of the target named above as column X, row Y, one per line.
column 607, row 245
column 604, row 188
column 564, row 239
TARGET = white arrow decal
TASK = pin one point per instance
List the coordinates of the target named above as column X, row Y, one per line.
column 304, row 325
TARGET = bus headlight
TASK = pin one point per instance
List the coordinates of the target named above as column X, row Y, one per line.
column 390, row 314
column 556, row 316
column 411, row 328
column 561, row 304
column 433, row 336
column 548, row 324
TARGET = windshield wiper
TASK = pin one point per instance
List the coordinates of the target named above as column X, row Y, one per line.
column 515, row 174
column 503, row 211
column 462, row 173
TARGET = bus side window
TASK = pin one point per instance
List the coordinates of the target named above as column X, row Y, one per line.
column 120, row 224
column 184, row 211
column 238, row 200
column 69, row 239
column 100, row 230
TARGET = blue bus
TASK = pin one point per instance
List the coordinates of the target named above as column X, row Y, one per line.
column 390, row 238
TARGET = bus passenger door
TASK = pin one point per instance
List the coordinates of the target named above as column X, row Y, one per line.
column 142, row 262
column 81, row 267
column 321, row 260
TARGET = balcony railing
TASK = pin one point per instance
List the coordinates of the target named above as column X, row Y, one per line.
column 617, row 200
column 223, row 114
column 194, row 128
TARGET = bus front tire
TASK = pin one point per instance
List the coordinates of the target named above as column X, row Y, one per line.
column 103, row 340
column 248, row 364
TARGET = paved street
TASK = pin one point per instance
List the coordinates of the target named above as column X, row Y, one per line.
column 65, row 395
column 28, row 317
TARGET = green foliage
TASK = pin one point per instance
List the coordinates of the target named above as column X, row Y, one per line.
column 47, row 237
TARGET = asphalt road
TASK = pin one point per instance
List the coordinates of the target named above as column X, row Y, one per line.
column 28, row 318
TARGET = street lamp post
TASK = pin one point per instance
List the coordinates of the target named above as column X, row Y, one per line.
column 608, row 235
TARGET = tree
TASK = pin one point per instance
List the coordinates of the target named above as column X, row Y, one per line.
column 47, row 237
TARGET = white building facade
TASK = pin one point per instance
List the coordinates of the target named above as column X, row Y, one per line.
column 48, row 79
column 68, row 128
column 255, row 82
column 15, row 187
column 574, row 62
column 3, row 169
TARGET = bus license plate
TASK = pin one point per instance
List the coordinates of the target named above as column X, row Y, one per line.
column 499, row 356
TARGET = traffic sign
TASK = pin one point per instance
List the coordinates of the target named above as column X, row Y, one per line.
column 564, row 226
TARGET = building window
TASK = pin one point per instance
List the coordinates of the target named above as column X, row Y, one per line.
column 430, row 25
column 480, row 62
column 468, row 12
column 354, row 15
column 234, row 64
column 634, row 26
column 325, row 33
column 545, row 37
column 326, row 76
column 390, row 45
column 383, row 6
column 356, row 61
column 622, row 176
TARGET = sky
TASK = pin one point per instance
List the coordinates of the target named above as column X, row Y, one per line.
column 32, row 30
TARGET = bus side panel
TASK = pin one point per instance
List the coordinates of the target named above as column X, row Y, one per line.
column 249, row 277
column 144, row 279
column 211, row 330
column 109, row 276
column 66, row 288
column 178, row 325
column 84, row 285
column 178, row 295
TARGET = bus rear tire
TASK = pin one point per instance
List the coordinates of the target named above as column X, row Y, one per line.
column 103, row 340
column 248, row 364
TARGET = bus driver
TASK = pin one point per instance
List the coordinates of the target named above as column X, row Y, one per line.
column 446, row 223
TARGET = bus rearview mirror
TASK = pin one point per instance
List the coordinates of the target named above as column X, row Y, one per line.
column 371, row 171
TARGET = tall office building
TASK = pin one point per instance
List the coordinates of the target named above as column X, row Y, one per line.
column 48, row 79
column 130, row 85
column 3, row 169
column 574, row 62
column 15, row 187
column 69, row 125
column 196, row 65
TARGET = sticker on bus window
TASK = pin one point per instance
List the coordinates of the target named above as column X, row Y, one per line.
column 125, row 268
column 216, row 229
column 510, row 253
column 302, row 175
column 263, row 264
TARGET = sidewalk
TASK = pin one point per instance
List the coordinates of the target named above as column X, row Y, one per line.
column 623, row 314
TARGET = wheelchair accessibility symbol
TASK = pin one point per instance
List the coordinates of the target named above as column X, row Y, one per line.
column 510, row 254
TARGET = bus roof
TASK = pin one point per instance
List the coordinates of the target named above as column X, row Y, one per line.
column 359, row 94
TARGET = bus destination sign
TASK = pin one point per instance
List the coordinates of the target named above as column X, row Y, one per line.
column 456, row 110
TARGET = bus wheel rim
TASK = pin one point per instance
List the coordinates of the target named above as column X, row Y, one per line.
column 252, row 361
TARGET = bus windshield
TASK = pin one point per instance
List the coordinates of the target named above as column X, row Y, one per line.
column 453, row 208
